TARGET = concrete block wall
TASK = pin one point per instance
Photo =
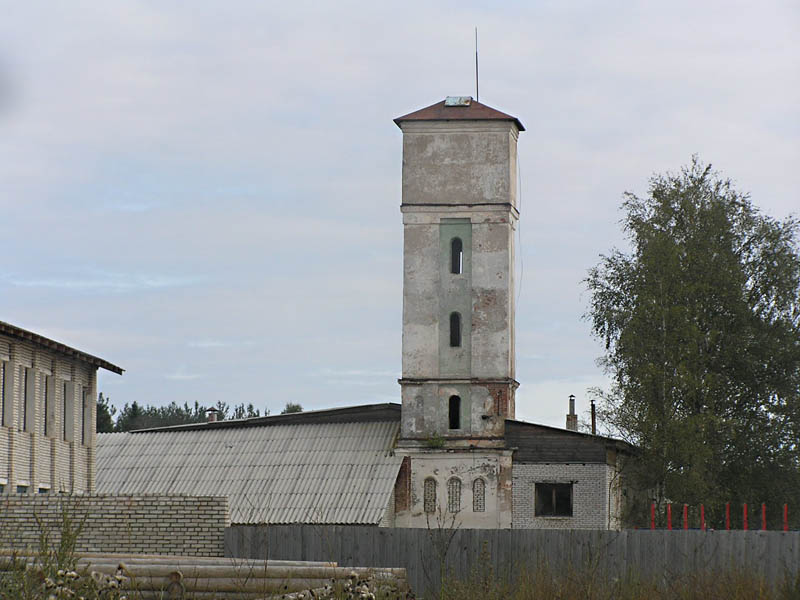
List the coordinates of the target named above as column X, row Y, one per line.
column 591, row 484
column 57, row 460
column 177, row 525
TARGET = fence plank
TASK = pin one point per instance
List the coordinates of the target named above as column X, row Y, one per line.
column 772, row 554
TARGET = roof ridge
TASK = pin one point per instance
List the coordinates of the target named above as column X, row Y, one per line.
column 468, row 111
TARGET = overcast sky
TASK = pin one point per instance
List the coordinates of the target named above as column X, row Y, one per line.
column 207, row 194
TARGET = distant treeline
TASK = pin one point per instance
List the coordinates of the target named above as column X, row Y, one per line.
column 138, row 416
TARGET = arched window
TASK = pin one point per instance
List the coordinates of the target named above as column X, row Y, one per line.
column 456, row 256
column 429, row 495
column 454, row 495
column 455, row 330
column 478, row 495
column 454, row 412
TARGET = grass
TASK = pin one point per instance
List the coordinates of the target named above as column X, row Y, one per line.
column 587, row 583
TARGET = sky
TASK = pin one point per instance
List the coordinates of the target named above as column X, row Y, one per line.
column 207, row 194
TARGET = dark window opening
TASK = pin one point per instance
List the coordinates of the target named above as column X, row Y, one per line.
column 455, row 330
column 64, row 413
column 456, row 256
column 84, row 414
column 553, row 500
column 2, row 393
column 22, row 489
column 455, row 412
column 46, row 396
column 23, row 423
column 44, row 490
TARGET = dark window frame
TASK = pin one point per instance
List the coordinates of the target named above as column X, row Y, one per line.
column 553, row 499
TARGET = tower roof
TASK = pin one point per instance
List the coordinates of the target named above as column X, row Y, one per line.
column 463, row 109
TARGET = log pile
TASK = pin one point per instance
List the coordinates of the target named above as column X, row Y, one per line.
column 185, row 578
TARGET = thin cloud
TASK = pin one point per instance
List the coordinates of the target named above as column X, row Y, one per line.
column 219, row 343
column 328, row 372
column 108, row 282
column 181, row 376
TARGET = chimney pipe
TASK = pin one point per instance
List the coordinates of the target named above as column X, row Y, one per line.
column 594, row 420
column 211, row 415
column 572, row 418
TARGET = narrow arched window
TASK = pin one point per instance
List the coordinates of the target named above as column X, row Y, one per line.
column 455, row 330
column 456, row 256
column 429, row 495
column 454, row 412
column 479, row 495
column 454, row 495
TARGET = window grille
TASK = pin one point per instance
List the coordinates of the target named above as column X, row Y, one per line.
column 479, row 495
column 430, row 495
column 454, row 495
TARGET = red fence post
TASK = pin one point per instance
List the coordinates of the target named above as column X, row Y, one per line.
column 763, row 516
column 727, row 516
column 686, row 516
column 669, row 516
column 786, row 517
column 702, row 518
column 652, row 515
column 744, row 516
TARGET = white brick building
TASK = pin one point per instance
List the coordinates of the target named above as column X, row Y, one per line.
column 48, row 414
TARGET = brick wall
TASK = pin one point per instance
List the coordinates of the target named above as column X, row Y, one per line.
column 25, row 451
column 590, row 492
column 181, row 525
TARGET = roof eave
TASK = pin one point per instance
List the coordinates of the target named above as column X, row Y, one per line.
column 399, row 120
column 24, row 334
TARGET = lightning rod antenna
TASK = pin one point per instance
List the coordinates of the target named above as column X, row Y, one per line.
column 477, row 94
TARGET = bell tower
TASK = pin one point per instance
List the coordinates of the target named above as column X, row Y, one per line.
column 459, row 206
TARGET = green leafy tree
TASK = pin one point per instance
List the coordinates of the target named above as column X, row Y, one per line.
column 134, row 416
column 105, row 415
column 291, row 407
column 246, row 412
column 701, row 325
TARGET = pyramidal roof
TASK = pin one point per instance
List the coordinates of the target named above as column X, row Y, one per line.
column 458, row 108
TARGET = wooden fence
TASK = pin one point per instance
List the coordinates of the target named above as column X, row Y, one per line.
column 771, row 554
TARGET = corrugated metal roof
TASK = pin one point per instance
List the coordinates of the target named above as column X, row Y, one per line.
column 313, row 472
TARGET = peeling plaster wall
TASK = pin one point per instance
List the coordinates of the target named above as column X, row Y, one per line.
column 494, row 467
column 459, row 180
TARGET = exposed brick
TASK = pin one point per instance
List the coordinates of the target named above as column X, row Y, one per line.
column 149, row 524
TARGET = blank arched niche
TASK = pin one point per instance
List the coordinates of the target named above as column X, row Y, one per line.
column 456, row 256
column 454, row 412
column 455, row 330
